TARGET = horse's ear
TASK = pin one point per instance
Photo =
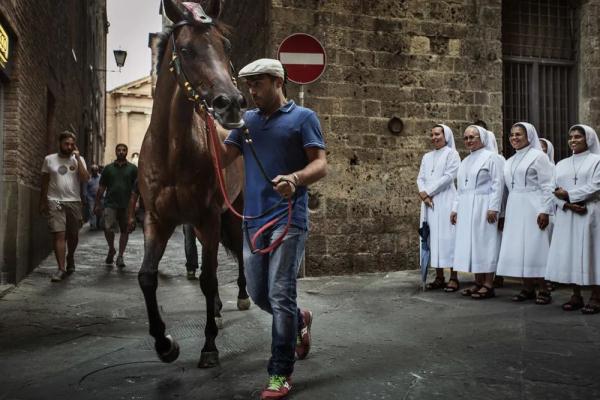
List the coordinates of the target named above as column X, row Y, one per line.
column 212, row 8
column 173, row 10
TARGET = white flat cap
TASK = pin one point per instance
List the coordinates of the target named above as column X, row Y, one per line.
column 263, row 66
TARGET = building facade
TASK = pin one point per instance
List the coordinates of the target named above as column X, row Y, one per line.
column 417, row 63
column 128, row 111
column 52, row 78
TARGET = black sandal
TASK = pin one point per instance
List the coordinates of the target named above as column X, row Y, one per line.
column 574, row 303
column 543, row 298
column 438, row 283
column 591, row 308
column 451, row 289
column 488, row 294
column 469, row 291
column 524, row 295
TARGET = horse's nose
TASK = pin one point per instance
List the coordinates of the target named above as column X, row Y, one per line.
column 242, row 101
column 221, row 103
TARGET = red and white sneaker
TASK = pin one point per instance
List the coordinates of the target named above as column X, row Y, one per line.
column 303, row 341
column 278, row 388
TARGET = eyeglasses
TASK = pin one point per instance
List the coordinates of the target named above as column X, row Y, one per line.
column 470, row 138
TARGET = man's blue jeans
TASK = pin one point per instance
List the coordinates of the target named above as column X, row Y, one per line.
column 271, row 283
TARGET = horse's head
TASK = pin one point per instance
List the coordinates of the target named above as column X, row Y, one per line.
column 201, row 58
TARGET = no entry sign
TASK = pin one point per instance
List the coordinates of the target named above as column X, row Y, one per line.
column 303, row 57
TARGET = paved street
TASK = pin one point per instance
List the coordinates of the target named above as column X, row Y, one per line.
column 376, row 337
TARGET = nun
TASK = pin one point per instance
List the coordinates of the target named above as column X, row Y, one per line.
column 548, row 148
column 437, row 193
column 476, row 211
column 574, row 256
column 529, row 178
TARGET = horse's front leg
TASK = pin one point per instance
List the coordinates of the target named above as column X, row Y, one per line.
column 155, row 241
column 209, row 285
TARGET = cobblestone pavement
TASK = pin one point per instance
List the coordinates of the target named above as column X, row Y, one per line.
column 376, row 336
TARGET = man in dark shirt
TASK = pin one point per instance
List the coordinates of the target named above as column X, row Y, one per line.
column 117, row 181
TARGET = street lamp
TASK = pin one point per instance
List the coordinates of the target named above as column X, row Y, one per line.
column 120, row 57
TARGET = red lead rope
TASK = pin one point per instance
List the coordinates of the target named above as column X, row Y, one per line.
column 216, row 159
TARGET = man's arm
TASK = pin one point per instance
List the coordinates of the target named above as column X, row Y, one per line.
column 133, row 199
column 315, row 169
column 43, row 206
column 82, row 171
column 98, row 200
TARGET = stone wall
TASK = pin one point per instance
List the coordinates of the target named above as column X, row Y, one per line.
column 422, row 61
column 589, row 64
column 51, row 88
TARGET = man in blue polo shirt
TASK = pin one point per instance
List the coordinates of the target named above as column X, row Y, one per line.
column 289, row 143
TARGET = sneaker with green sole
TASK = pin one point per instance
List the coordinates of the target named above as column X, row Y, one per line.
column 278, row 388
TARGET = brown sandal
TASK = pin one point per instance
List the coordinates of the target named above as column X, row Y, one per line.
column 488, row 294
column 524, row 295
column 543, row 298
column 451, row 289
column 469, row 291
column 438, row 283
column 574, row 303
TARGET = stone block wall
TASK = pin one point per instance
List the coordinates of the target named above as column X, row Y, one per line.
column 422, row 61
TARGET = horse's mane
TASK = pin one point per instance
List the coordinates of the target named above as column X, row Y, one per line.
column 163, row 40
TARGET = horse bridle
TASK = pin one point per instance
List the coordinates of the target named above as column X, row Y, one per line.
column 194, row 94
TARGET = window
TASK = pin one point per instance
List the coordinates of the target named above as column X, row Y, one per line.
column 539, row 42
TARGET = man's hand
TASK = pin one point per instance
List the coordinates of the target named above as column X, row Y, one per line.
column 131, row 224
column 492, row 216
column 97, row 209
column 285, row 185
column 453, row 217
column 76, row 152
column 543, row 220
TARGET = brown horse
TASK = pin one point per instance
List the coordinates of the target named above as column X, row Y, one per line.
column 176, row 177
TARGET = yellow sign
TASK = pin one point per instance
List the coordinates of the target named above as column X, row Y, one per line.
column 4, row 47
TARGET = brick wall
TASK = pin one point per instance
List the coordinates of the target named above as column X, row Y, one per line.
column 589, row 64
column 49, row 90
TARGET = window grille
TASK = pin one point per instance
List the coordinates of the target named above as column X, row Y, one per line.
column 539, row 83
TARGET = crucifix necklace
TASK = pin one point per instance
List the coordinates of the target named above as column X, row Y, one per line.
column 514, row 170
column 435, row 161
column 576, row 171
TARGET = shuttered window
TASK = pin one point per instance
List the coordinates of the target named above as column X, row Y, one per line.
column 539, row 42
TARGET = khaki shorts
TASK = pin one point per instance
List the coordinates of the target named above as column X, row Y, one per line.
column 64, row 216
column 115, row 219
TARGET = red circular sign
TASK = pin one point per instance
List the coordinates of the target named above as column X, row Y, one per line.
column 303, row 57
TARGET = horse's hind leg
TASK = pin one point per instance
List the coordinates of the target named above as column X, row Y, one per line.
column 155, row 241
column 208, row 283
column 233, row 240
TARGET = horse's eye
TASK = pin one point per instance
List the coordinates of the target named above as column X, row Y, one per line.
column 186, row 51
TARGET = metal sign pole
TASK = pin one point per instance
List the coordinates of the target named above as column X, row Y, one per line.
column 302, row 271
column 301, row 96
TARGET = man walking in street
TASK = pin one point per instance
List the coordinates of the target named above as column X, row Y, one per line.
column 91, row 188
column 117, row 180
column 63, row 173
column 289, row 143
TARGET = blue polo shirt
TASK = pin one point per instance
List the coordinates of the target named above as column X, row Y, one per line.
column 279, row 141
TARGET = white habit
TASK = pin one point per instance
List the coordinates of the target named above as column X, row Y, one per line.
column 436, row 178
column 480, row 186
column 528, row 175
column 574, row 255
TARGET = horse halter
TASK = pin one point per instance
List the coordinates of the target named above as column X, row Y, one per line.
column 193, row 93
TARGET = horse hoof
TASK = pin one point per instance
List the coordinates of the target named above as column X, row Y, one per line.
column 209, row 359
column 219, row 322
column 172, row 354
column 243, row 304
